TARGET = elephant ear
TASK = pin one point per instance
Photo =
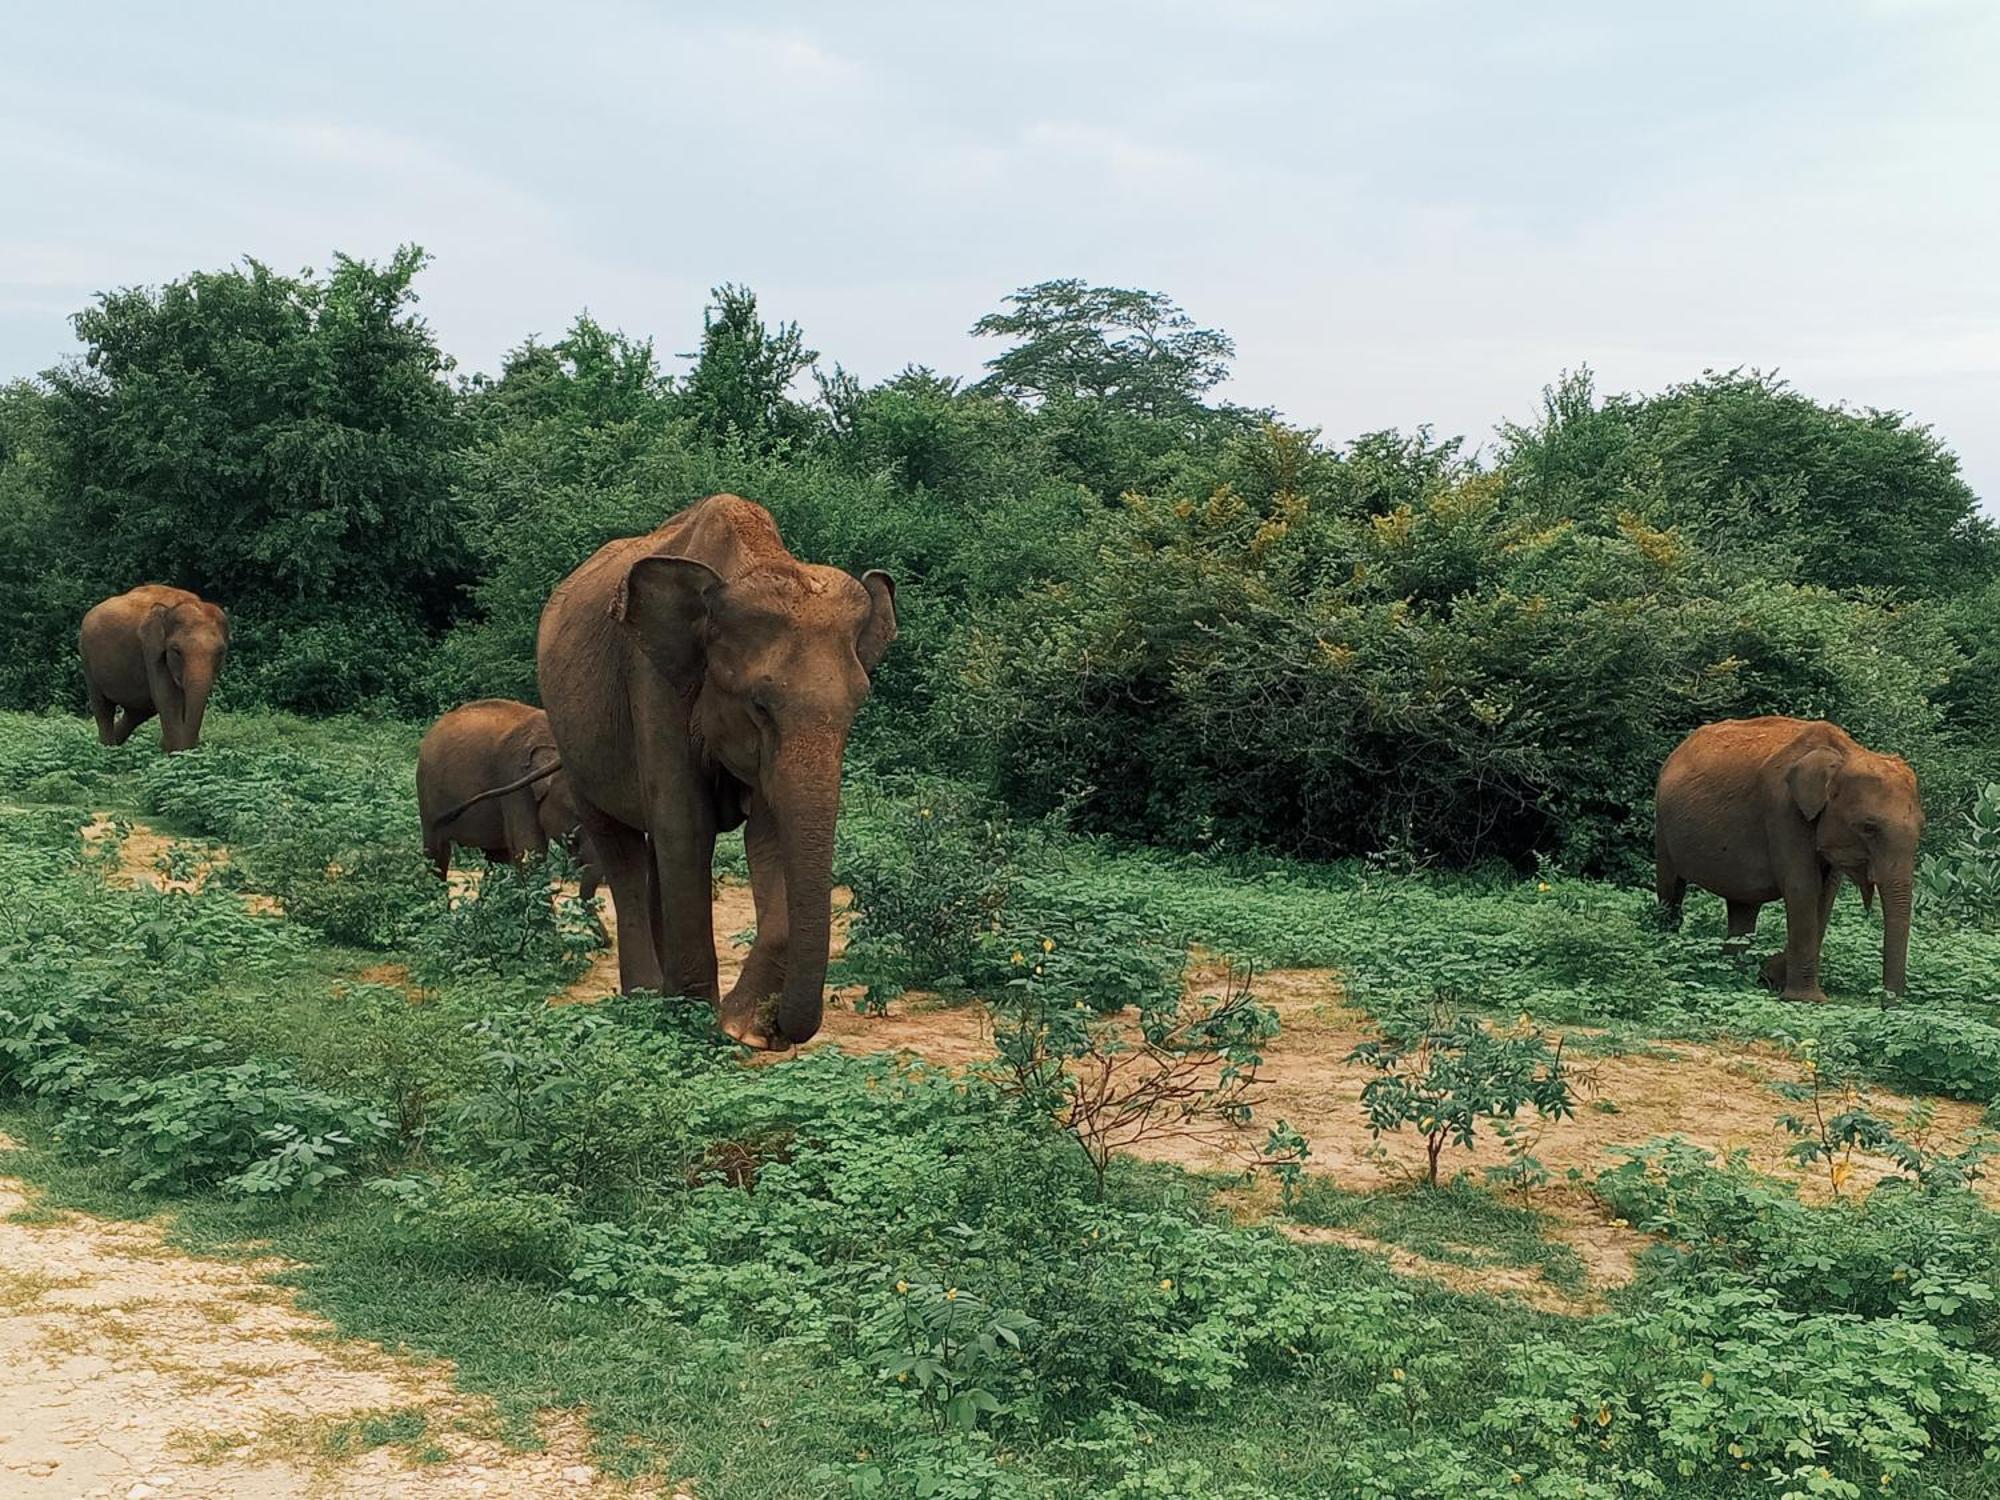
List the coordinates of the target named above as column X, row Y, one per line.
column 1811, row 781
column 666, row 601
column 880, row 628
column 153, row 631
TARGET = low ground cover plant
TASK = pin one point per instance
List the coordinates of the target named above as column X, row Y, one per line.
column 928, row 1288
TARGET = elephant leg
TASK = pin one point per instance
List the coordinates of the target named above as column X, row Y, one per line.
column 628, row 871
column 763, row 973
column 1742, row 925
column 1803, row 899
column 130, row 718
column 1670, row 889
column 684, row 865
column 105, row 712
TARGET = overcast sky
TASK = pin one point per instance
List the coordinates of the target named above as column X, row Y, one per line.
column 1404, row 212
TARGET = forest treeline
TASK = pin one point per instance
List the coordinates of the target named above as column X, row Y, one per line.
column 1124, row 602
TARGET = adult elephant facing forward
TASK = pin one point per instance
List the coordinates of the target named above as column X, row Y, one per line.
column 699, row 679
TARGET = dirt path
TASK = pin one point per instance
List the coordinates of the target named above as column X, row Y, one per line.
column 132, row 1371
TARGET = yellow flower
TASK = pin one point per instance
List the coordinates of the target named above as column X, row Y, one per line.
column 951, row 1294
column 903, row 1288
column 923, row 812
column 1018, row 958
column 902, row 1377
column 1707, row 1379
column 1166, row 1283
column 1513, row 1478
column 1603, row 1416
column 1425, row 1123
column 1541, row 885
column 1621, row 1223
column 1048, row 945
column 1396, row 1375
column 1735, row 1450
column 1038, row 968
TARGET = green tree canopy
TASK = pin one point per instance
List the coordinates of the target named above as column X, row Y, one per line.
column 1132, row 349
column 281, row 444
column 1757, row 471
column 740, row 386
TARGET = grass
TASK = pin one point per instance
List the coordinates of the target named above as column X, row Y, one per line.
column 538, row 1203
column 1457, row 1224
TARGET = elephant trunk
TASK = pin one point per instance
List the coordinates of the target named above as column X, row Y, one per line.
column 807, row 817
column 1896, row 892
column 180, row 723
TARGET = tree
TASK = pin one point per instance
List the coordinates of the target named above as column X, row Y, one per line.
column 740, row 385
column 282, row 444
column 1762, row 475
column 1133, row 349
column 591, row 376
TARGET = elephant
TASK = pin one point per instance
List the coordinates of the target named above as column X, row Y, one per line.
column 154, row 650
column 478, row 746
column 1777, row 809
column 699, row 679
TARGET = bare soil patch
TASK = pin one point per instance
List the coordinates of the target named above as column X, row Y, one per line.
column 133, row 1371
column 140, row 854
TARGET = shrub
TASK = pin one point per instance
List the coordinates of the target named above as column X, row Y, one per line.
column 1964, row 878
column 1445, row 1072
column 928, row 881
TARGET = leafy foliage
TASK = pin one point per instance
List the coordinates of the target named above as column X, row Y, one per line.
column 1446, row 1072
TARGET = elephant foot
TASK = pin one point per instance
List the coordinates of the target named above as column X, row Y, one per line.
column 753, row 1024
column 1812, row 994
column 1774, row 971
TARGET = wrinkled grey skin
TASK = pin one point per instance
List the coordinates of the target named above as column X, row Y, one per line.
column 699, row 679
column 152, row 651
column 485, row 744
column 1776, row 809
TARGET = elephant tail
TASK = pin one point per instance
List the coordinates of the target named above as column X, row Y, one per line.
column 488, row 795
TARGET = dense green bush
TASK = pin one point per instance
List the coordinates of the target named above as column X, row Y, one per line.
column 1165, row 618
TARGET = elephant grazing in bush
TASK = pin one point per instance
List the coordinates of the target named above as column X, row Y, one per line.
column 697, row 679
column 488, row 778
column 1776, row 809
column 154, row 650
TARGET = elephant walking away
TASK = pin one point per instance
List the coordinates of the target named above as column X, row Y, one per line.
column 698, row 679
column 1774, row 809
column 155, row 650
column 489, row 778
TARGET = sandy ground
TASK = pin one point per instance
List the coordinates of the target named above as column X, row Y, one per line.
column 132, row 1370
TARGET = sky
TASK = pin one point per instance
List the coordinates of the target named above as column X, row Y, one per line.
column 1404, row 213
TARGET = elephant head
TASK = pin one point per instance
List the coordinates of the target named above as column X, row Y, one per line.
column 775, row 663
column 1867, row 819
column 184, row 645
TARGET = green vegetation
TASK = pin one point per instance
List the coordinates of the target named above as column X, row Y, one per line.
column 1173, row 674
column 1124, row 605
column 857, row 1275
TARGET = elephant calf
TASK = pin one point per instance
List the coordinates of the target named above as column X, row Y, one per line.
column 488, row 778
column 1776, row 809
column 155, row 650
